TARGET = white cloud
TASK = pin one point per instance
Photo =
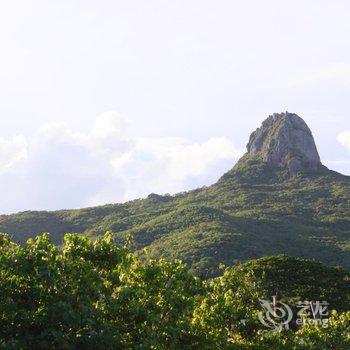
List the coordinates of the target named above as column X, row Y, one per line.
column 173, row 164
column 342, row 165
column 12, row 151
column 62, row 168
column 108, row 124
column 344, row 139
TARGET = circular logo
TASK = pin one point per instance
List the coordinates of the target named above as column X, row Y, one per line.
column 276, row 315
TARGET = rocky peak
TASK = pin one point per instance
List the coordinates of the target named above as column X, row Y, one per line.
column 285, row 140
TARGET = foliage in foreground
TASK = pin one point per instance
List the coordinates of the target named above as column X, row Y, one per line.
column 97, row 295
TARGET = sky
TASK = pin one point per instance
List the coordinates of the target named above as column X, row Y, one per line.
column 107, row 101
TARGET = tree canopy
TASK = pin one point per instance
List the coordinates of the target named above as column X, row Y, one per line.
column 97, row 294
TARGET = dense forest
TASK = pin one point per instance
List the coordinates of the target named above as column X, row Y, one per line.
column 96, row 294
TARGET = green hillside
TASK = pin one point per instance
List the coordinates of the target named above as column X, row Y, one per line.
column 278, row 199
column 252, row 211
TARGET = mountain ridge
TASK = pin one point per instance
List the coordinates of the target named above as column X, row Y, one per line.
column 273, row 201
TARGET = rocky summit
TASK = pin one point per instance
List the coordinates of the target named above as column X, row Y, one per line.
column 284, row 140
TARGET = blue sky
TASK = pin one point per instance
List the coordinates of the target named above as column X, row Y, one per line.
column 106, row 101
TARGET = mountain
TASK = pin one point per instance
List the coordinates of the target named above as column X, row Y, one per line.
column 278, row 199
column 284, row 140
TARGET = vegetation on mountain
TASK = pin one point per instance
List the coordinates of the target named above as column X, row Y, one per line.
column 252, row 211
column 258, row 208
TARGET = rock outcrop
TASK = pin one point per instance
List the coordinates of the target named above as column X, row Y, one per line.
column 284, row 140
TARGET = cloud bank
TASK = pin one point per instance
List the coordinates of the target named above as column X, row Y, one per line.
column 341, row 165
column 62, row 168
column 344, row 139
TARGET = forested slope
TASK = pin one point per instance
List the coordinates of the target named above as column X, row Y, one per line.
column 278, row 199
